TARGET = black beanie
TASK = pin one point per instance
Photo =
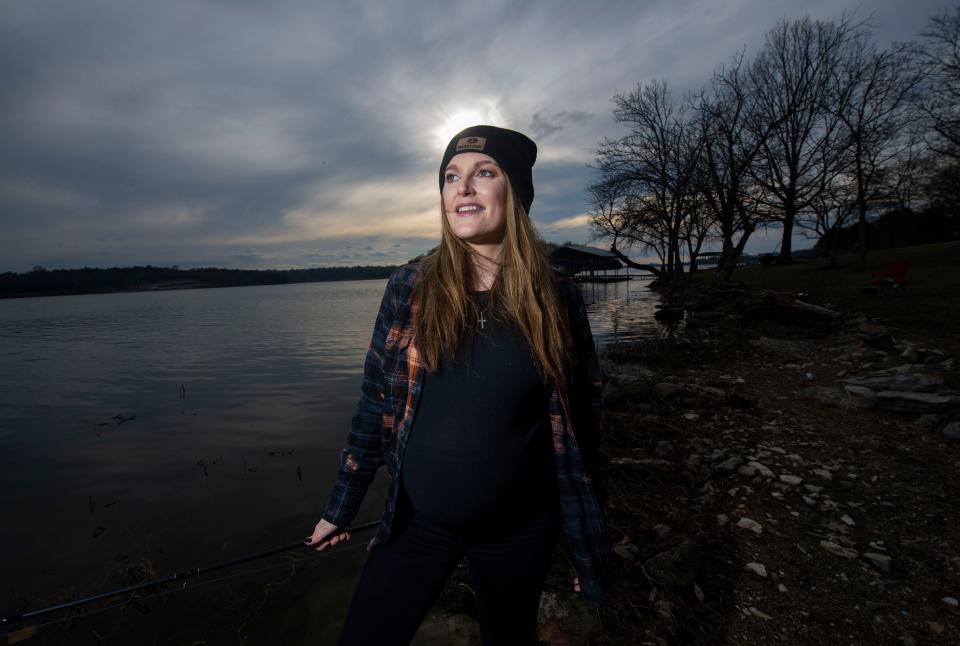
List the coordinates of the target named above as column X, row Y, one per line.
column 514, row 152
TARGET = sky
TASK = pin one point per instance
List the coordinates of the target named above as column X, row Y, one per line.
column 243, row 134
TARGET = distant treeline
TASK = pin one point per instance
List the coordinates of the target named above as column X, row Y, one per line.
column 893, row 229
column 88, row 280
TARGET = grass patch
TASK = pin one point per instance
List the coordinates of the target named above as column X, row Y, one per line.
column 926, row 311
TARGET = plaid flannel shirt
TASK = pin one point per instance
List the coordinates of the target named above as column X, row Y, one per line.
column 392, row 381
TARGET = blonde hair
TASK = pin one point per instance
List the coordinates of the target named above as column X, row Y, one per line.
column 523, row 292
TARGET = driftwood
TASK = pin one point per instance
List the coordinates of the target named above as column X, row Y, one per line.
column 812, row 309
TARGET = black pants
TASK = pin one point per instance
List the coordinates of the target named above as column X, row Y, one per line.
column 402, row 579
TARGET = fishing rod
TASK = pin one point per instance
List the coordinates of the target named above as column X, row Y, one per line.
column 179, row 576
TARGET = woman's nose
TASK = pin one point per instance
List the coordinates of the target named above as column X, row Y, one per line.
column 464, row 187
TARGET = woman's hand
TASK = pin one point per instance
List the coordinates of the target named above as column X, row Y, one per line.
column 321, row 538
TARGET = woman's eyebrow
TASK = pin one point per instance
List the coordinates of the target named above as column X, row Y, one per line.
column 479, row 163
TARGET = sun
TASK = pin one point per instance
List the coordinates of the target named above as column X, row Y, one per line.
column 461, row 118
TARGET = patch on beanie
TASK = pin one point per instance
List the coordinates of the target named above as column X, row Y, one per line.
column 471, row 143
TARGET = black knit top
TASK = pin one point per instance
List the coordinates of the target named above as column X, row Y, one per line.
column 480, row 449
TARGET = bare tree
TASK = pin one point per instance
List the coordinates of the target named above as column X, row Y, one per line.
column 650, row 171
column 625, row 223
column 697, row 227
column 791, row 82
column 902, row 179
column 940, row 53
column 829, row 212
column 732, row 138
column 873, row 96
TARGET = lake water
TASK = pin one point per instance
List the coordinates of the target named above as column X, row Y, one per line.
column 143, row 434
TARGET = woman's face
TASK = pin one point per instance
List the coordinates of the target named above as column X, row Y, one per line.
column 475, row 199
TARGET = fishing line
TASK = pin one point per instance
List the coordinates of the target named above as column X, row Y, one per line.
column 177, row 577
column 312, row 560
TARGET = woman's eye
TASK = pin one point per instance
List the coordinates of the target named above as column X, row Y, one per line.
column 489, row 173
column 451, row 177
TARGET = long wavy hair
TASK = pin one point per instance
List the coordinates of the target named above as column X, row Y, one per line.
column 524, row 293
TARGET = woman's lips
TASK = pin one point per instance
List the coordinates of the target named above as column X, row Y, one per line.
column 477, row 209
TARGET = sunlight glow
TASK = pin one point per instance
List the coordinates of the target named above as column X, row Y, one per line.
column 457, row 120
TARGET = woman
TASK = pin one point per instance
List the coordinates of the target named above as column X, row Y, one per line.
column 481, row 395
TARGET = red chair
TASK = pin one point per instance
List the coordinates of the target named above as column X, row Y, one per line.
column 891, row 281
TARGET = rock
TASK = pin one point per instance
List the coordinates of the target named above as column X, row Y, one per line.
column 691, row 416
column 790, row 480
column 905, row 402
column 626, row 549
column 812, row 488
column 722, row 520
column 835, row 397
column 951, row 432
column 712, row 393
column 562, row 619
column 908, row 639
column 747, row 471
column 664, row 449
column 879, row 561
column 678, row 567
column 629, row 373
column 455, row 630
column 927, row 421
column 935, row 627
column 665, row 609
column 781, row 587
column 666, row 390
column 950, row 601
column 847, row 520
column 823, row 473
column 551, row 607
column 719, row 454
column 859, row 391
column 906, row 381
column 653, row 463
column 758, row 568
column 839, row 550
column 661, row 530
column 875, row 335
column 752, row 525
column 929, row 355
column 910, row 354
column 753, row 612
column 730, row 464
column 760, row 469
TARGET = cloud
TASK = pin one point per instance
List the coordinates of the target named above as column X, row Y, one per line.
column 37, row 194
column 187, row 131
column 545, row 125
column 573, row 222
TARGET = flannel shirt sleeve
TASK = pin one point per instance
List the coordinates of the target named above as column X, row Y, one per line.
column 586, row 390
column 364, row 454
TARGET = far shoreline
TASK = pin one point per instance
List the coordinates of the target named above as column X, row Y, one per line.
column 70, row 282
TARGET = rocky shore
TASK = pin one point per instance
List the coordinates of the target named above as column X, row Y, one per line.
column 778, row 472
column 781, row 472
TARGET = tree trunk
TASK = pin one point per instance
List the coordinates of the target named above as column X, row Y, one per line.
column 862, row 222
column 636, row 265
column 786, row 243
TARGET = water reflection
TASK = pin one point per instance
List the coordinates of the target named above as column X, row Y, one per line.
column 622, row 311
